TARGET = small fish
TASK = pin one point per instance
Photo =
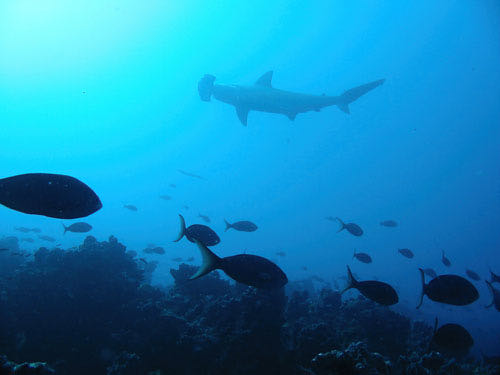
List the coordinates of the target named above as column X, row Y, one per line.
column 362, row 257
column 79, row 227
column 47, row 238
column 406, row 253
column 494, row 277
column 377, row 291
column 449, row 289
column 303, row 268
column 15, row 253
column 27, row 239
column 318, row 279
column 452, row 339
column 352, row 228
column 281, row 253
column 36, row 230
column 158, row 250
column 191, row 174
column 172, row 185
column 445, row 260
column 198, row 232
column 130, row 207
column 389, row 223
column 23, row 229
column 205, row 218
column 143, row 260
column 495, row 293
column 472, row 275
column 190, row 259
column 51, row 195
column 3, row 249
column 178, row 259
column 242, row 226
column 165, row 197
column 252, row 270
column 430, row 272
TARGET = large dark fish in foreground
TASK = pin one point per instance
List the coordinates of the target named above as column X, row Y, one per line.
column 377, row 291
column 242, row 226
column 362, row 257
column 79, row 227
column 247, row 269
column 495, row 294
column 389, row 223
column 263, row 97
column 198, row 232
column 352, row 228
column 452, row 339
column 445, row 260
column 52, row 195
column 449, row 289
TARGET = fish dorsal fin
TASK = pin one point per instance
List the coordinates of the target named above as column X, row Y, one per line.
column 266, row 79
column 242, row 113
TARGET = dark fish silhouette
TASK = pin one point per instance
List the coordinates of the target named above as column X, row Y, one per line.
column 191, row 174
column 352, row 228
column 190, row 259
column 472, row 275
column 165, row 197
column 494, row 277
column 47, row 238
column 205, row 218
column 406, row 253
column 130, row 207
column 143, row 260
column 242, row 226
column 389, row 223
column 198, row 232
column 495, row 293
column 281, row 253
column 445, row 260
column 430, row 272
column 362, row 257
column 247, row 269
column 449, row 289
column 172, row 185
column 79, row 227
column 51, row 195
column 178, row 259
column 23, row 229
column 154, row 250
column 377, row 291
column 452, row 339
column 36, row 230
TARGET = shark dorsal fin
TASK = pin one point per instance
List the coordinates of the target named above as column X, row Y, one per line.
column 266, row 79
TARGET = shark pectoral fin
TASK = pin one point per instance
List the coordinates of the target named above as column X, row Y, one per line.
column 266, row 79
column 344, row 107
column 242, row 113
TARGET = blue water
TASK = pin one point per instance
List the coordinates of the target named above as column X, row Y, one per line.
column 107, row 92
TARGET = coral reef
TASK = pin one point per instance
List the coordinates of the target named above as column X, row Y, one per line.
column 91, row 309
column 36, row 368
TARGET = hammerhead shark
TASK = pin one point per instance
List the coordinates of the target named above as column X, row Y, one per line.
column 262, row 96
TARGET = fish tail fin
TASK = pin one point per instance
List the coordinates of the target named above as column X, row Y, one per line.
column 353, row 255
column 205, row 87
column 228, row 225
column 422, row 278
column 342, row 225
column 353, row 94
column 182, row 230
column 351, row 281
column 65, row 228
column 210, row 261
column 490, row 287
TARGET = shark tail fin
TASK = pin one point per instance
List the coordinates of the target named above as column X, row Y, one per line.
column 210, row 261
column 205, row 87
column 353, row 94
column 422, row 277
column 351, row 281
column 182, row 230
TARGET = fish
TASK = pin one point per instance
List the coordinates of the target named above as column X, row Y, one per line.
column 406, row 253
column 198, row 232
column 165, row 197
column 452, row 339
column 52, row 195
column 143, row 260
column 172, row 185
column 263, row 97
column 189, row 174
column 242, row 226
column 178, row 259
column 205, row 218
column 36, row 230
column 362, row 257
column 389, row 223
column 352, row 228
column 47, row 238
column 472, row 275
column 27, row 239
column 23, row 229
column 79, row 227
column 248, row 269
column 130, row 207
column 281, row 253
column 495, row 293
column 449, row 289
column 190, row 259
column 154, row 250
column 445, row 260
column 377, row 291
column 494, row 277
column 3, row 249
column 430, row 272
